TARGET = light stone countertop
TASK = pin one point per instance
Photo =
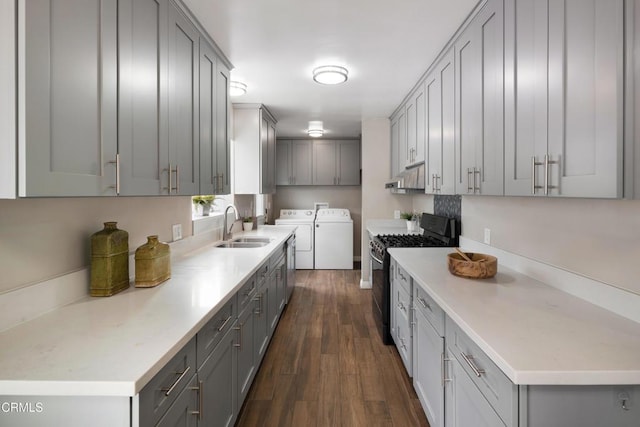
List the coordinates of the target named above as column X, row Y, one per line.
column 112, row 346
column 536, row 334
column 376, row 227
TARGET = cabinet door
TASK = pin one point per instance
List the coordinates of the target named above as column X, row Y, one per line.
column 416, row 126
column 526, row 63
column 209, row 178
column 428, row 354
column 440, row 97
column 184, row 411
column 142, row 52
column 246, row 353
column 223, row 124
column 464, row 404
column 324, row 163
column 348, row 153
column 480, row 114
column 183, row 162
column 271, row 158
column 302, row 162
column 264, row 154
column 586, row 65
column 273, row 312
column 281, row 277
column 402, row 140
column 69, row 134
column 394, row 147
column 261, row 320
column 219, row 376
column 403, row 325
column 284, row 174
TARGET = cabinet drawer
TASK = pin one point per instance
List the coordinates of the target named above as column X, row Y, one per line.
column 247, row 293
column 211, row 333
column 163, row 389
column 428, row 307
column 496, row 387
column 404, row 333
column 403, row 278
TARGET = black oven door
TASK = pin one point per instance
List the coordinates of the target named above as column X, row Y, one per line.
column 380, row 288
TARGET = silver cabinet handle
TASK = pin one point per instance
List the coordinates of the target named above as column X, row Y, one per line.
column 548, row 162
column 443, row 369
column 177, row 187
column 476, row 187
column 413, row 316
column 168, row 390
column 402, row 344
column 200, row 390
column 469, row 187
column 469, row 359
column 224, row 323
column 258, row 312
column 239, row 345
column 117, row 163
column 170, row 188
column 253, row 286
column 425, row 304
column 535, row 187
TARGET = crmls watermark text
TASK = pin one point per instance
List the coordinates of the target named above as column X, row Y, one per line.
column 21, row 407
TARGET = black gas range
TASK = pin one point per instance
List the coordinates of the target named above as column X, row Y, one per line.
column 439, row 231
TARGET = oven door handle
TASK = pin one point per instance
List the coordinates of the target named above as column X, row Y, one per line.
column 375, row 258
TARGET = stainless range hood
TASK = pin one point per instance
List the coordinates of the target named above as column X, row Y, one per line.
column 411, row 180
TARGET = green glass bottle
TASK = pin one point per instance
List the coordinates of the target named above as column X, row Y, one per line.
column 109, row 261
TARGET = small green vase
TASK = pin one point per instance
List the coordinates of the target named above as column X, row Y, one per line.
column 109, row 261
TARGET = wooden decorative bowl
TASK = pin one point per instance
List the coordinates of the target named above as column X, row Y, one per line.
column 481, row 266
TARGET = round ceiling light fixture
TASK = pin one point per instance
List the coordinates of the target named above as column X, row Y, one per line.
column 237, row 88
column 330, row 74
column 315, row 129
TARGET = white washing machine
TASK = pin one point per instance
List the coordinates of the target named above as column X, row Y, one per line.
column 304, row 220
column 334, row 240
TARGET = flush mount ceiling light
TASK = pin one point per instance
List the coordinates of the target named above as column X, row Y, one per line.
column 315, row 129
column 330, row 74
column 237, row 88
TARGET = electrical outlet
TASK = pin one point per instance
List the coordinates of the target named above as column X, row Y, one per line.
column 487, row 236
column 396, row 214
column 177, row 231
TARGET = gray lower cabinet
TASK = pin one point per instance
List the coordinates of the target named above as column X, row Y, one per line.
column 262, row 328
column 465, row 405
column 69, row 74
column 428, row 356
column 404, row 331
column 479, row 59
column 185, row 411
column 246, row 352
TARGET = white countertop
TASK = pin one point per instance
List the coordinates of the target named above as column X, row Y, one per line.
column 536, row 334
column 112, row 346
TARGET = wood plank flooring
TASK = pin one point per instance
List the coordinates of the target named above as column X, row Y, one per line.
column 326, row 364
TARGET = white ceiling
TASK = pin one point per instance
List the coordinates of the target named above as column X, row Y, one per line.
column 275, row 44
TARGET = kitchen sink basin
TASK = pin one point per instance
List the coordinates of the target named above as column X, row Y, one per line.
column 239, row 244
column 252, row 239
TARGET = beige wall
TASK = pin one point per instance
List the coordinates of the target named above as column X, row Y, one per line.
column 45, row 238
column 337, row 197
column 599, row 239
column 377, row 202
column 423, row 203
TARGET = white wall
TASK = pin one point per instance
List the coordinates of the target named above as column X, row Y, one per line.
column 377, row 202
column 599, row 239
column 45, row 238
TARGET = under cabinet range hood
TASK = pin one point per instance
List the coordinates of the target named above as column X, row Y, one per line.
column 411, row 180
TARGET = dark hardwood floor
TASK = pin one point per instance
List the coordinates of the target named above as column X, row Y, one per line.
column 326, row 364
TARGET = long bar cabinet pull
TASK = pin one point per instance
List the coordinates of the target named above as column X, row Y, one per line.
column 548, row 162
column 224, row 324
column 443, row 369
column 239, row 345
column 474, row 368
column 168, row 390
column 469, row 187
column 535, row 187
column 476, row 187
column 200, row 390
column 117, row 163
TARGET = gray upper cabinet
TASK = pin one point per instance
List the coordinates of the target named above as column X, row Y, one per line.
column 142, row 130
column 565, row 123
column 255, row 145
column 181, row 169
column 214, row 119
column 440, row 98
column 294, row 162
column 69, row 134
column 416, row 126
column 479, row 60
column 336, row 162
column 393, row 155
column 398, row 141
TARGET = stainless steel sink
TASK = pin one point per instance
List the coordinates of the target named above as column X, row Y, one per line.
column 241, row 244
column 252, row 239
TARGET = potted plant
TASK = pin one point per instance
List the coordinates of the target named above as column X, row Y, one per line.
column 247, row 223
column 410, row 217
column 205, row 203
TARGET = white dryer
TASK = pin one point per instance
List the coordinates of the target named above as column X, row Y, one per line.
column 334, row 240
column 303, row 219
